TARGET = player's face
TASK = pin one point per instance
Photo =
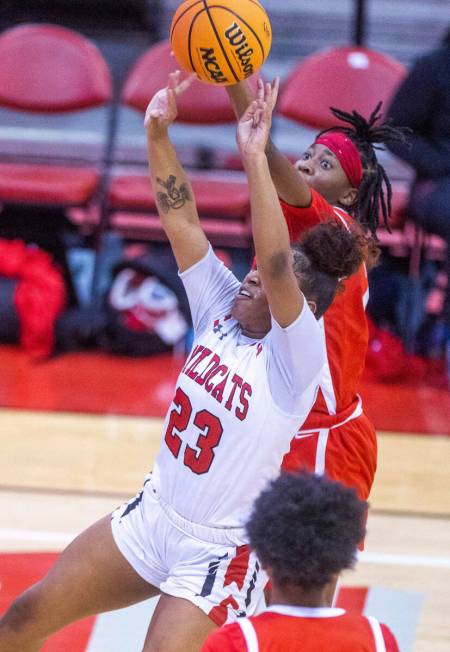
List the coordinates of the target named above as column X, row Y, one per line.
column 251, row 308
column 322, row 171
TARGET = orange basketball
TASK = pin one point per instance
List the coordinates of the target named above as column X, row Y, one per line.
column 223, row 41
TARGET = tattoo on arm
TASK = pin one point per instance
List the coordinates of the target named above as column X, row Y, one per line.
column 173, row 197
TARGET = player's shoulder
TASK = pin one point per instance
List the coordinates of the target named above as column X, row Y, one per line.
column 390, row 642
column 382, row 635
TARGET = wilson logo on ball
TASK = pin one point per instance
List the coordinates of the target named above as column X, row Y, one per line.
column 222, row 43
column 237, row 39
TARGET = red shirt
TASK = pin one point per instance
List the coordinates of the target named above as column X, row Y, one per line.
column 346, row 330
column 291, row 629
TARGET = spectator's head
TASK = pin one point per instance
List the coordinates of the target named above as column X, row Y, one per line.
column 305, row 530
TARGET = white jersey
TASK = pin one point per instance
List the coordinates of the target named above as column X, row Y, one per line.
column 238, row 402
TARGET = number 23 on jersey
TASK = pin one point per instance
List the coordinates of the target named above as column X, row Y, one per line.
column 198, row 459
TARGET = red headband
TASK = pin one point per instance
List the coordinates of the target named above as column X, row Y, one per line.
column 346, row 153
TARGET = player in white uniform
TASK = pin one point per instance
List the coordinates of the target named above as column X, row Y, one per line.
column 250, row 379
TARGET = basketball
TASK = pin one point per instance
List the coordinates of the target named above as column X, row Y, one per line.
column 222, row 43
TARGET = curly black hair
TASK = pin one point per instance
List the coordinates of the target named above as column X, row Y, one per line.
column 375, row 192
column 306, row 528
column 325, row 255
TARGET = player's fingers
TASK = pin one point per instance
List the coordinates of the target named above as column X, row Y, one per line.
column 249, row 110
column 256, row 117
column 267, row 112
column 275, row 90
column 260, row 89
column 174, row 78
column 261, row 112
column 171, row 98
column 184, row 85
column 268, row 94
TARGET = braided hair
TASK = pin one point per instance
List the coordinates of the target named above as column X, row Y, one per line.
column 375, row 191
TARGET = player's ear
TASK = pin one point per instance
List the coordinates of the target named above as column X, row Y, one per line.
column 348, row 197
column 268, row 570
column 313, row 306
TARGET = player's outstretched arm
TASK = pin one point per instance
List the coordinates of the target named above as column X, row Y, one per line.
column 173, row 192
column 270, row 233
column 288, row 182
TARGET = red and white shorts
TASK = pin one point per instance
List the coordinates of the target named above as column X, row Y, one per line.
column 211, row 567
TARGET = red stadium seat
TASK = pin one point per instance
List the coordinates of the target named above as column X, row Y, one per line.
column 48, row 69
column 346, row 77
column 142, row 227
column 222, row 197
column 203, row 104
column 39, row 184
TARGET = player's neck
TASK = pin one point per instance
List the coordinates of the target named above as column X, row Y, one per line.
column 253, row 333
column 299, row 597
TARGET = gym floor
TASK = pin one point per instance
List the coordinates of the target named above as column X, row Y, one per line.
column 80, row 431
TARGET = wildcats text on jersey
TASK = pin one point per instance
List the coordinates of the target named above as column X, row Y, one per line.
column 205, row 368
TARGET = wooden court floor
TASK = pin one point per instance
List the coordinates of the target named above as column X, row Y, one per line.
column 59, row 472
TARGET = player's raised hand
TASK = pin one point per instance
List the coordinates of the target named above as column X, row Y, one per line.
column 254, row 126
column 268, row 91
column 162, row 108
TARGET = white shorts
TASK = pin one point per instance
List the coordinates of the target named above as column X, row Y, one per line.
column 210, row 567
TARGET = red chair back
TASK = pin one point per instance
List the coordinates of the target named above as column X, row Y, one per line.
column 47, row 68
column 202, row 104
column 349, row 78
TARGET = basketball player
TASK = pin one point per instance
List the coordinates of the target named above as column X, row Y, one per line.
column 338, row 176
column 250, row 379
column 305, row 530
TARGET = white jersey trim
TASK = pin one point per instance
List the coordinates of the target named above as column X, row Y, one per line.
column 366, row 298
column 306, row 612
column 377, row 634
column 344, row 222
column 326, row 385
column 248, row 632
column 322, row 441
column 354, row 415
column 326, row 381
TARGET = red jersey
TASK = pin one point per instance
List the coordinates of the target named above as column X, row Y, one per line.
column 337, row 438
column 346, row 329
column 298, row 629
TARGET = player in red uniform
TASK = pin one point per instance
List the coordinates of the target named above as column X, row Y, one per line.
column 305, row 530
column 337, row 177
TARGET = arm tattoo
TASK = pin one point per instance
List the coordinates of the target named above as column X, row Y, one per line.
column 173, row 197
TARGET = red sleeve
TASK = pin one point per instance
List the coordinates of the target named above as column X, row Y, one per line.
column 226, row 639
column 389, row 639
column 300, row 219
